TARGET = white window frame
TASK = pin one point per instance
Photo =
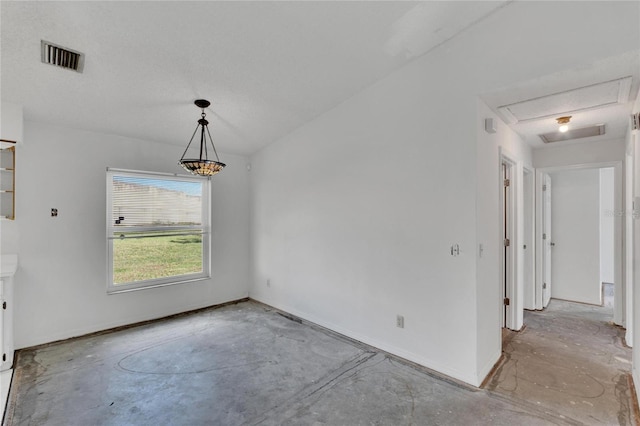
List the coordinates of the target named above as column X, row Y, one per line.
column 204, row 230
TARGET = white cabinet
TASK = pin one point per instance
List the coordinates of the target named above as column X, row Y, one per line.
column 8, row 267
column 2, row 309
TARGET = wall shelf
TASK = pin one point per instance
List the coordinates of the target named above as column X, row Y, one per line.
column 7, row 179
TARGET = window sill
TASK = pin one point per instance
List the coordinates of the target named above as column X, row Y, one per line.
column 126, row 288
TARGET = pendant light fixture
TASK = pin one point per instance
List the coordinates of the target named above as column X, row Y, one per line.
column 563, row 122
column 202, row 166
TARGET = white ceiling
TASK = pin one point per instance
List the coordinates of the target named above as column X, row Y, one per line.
column 267, row 67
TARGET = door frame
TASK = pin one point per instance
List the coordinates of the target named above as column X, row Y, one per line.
column 511, row 315
column 529, row 236
column 628, row 238
column 619, row 301
column 541, row 175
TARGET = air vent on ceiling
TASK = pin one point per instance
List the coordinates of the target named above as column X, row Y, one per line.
column 61, row 56
column 583, row 132
column 635, row 121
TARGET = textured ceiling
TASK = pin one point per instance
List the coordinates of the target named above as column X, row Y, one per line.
column 267, row 67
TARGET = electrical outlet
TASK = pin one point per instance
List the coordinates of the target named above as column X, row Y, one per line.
column 399, row 321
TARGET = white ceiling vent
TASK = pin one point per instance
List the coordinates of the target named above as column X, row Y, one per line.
column 635, row 121
column 565, row 103
column 61, row 56
column 583, row 132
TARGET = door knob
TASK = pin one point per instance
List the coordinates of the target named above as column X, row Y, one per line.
column 553, row 244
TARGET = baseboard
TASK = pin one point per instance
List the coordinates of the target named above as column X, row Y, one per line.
column 576, row 301
column 633, row 385
column 435, row 369
column 6, row 378
column 438, row 370
column 487, row 371
column 111, row 329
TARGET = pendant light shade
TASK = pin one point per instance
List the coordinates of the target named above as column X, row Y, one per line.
column 202, row 165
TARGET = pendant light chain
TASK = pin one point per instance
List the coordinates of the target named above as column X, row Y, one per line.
column 190, row 140
column 214, row 147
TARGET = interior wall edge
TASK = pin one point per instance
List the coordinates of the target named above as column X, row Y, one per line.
column 485, row 370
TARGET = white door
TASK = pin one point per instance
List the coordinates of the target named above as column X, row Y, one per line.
column 528, row 286
column 575, row 258
column 546, row 239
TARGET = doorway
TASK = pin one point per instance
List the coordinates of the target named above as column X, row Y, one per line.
column 580, row 257
column 576, row 255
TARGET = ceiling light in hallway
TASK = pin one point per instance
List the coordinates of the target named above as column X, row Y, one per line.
column 564, row 123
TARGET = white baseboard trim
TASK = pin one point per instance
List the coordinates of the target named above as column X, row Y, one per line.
column 467, row 378
column 130, row 320
column 486, row 369
column 636, row 380
column 5, row 384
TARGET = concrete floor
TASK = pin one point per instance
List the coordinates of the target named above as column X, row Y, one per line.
column 572, row 360
column 246, row 364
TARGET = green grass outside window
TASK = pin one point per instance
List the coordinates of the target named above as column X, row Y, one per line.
column 139, row 259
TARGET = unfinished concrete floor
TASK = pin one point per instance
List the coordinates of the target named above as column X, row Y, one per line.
column 570, row 359
column 245, row 364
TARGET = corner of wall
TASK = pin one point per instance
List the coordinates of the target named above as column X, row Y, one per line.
column 490, row 146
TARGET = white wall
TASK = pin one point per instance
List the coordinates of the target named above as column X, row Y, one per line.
column 575, row 219
column 61, row 284
column 11, row 127
column 586, row 153
column 11, row 122
column 488, row 274
column 633, row 145
column 607, row 215
column 351, row 233
column 353, row 214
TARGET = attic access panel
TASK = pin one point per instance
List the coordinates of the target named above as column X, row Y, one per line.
column 581, row 99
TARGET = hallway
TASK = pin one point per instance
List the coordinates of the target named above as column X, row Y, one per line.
column 571, row 360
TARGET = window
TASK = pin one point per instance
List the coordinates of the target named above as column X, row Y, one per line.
column 157, row 229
